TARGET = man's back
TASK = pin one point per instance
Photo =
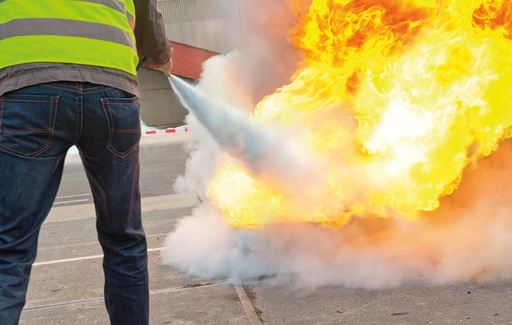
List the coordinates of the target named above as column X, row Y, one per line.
column 68, row 78
column 85, row 41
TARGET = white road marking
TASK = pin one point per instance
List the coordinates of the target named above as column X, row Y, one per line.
column 149, row 204
column 69, row 196
column 101, row 299
column 83, row 258
column 74, row 201
column 46, row 248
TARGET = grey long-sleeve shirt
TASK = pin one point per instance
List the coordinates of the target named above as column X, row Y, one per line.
column 150, row 33
column 151, row 41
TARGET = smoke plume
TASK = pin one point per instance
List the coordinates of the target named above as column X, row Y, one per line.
column 467, row 238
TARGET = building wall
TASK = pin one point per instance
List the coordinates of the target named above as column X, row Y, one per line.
column 198, row 30
column 212, row 25
column 188, row 61
column 160, row 107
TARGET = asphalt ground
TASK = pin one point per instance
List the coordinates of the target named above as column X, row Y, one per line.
column 66, row 286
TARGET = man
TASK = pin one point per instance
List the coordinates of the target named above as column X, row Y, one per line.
column 68, row 77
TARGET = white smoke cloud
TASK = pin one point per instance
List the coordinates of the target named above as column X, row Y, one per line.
column 202, row 163
column 468, row 237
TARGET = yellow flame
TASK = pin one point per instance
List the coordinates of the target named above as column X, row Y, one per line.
column 427, row 85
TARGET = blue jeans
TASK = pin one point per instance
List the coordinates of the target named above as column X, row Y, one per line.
column 38, row 125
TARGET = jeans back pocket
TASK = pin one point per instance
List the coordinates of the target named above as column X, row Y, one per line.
column 123, row 116
column 27, row 123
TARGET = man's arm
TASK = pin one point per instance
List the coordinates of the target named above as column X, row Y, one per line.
column 152, row 42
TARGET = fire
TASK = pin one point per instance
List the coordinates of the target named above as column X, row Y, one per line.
column 396, row 98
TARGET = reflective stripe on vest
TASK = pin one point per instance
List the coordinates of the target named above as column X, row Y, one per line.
column 89, row 32
column 127, row 8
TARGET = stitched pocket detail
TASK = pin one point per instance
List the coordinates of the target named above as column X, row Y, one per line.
column 27, row 123
column 123, row 116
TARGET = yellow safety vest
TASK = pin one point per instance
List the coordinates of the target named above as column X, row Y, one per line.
column 88, row 32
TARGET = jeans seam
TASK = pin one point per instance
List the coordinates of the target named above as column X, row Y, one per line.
column 135, row 100
column 106, row 102
column 53, row 111
column 59, row 85
column 53, row 121
column 81, row 117
column 77, row 89
column 32, row 154
column 67, row 88
column 95, row 90
column 80, row 120
column 50, row 130
column 26, row 100
column 27, row 130
column 77, row 137
column 119, row 154
column 125, row 131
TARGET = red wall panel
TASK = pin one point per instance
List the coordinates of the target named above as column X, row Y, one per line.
column 187, row 61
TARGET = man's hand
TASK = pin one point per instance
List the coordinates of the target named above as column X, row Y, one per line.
column 166, row 68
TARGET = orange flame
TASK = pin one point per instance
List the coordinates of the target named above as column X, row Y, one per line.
column 396, row 99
